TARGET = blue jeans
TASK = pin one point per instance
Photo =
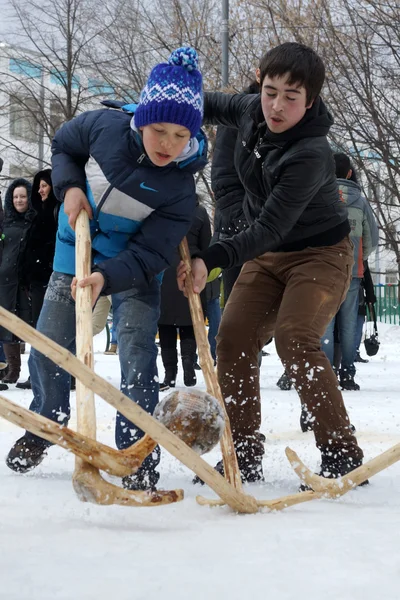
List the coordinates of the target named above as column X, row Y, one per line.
column 136, row 314
column 2, row 355
column 214, row 319
column 359, row 331
column 346, row 318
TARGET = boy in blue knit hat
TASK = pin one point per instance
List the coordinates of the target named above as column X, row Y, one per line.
column 134, row 177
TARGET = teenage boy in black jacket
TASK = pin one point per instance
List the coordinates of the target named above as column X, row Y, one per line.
column 297, row 254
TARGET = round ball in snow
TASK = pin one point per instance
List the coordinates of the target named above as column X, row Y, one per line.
column 195, row 417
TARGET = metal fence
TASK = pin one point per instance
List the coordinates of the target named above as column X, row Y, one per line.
column 387, row 303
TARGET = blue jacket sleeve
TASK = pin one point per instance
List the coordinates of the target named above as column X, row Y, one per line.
column 71, row 151
column 153, row 248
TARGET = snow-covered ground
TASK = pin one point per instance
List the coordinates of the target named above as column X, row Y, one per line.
column 54, row 547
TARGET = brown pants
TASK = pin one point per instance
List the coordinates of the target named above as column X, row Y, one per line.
column 292, row 296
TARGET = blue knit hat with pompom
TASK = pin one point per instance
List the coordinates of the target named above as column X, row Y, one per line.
column 173, row 93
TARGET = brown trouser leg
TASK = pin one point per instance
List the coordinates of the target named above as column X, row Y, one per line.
column 292, row 296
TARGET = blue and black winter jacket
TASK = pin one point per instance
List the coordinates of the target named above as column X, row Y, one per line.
column 141, row 212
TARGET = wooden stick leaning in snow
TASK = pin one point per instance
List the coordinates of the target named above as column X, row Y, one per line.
column 229, row 495
column 87, row 481
column 101, row 456
column 231, row 467
column 338, row 487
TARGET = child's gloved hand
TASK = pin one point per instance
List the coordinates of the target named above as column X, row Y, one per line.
column 199, row 276
column 96, row 280
column 75, row 200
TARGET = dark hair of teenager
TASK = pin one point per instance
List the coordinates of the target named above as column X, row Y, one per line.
column 343, row 165
column 303, row 65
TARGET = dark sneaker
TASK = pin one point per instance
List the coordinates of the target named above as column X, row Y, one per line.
column 197, row 367
column 284, row 382
column 249, row 473
column 335, row 465
column 142, row 480
column 3, row 387
column 26, row 454
column 24, row 385
column 360, row 359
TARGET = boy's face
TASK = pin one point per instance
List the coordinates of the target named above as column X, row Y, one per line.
column 164, row 142
column 283, row 105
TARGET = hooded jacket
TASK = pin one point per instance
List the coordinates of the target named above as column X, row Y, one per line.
column 364, row 230
column 17, row 229
column 292, row 198
column 141, row 212
column 43, row 240
column 225, row 182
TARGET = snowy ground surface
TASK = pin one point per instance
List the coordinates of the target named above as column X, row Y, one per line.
column 54, row 547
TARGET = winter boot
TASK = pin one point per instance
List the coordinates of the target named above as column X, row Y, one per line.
column 26, row 454
column 112, row 349
column 169, row 358
column 143, row 479
column 347, row 382
column 24, row 385
column 3, row 373
column 335, row 464
column 13, row 356
column 249, row 454
column 284, row 382
column 360, row 359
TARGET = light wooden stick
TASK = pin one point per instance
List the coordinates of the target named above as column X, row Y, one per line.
column 231, row 467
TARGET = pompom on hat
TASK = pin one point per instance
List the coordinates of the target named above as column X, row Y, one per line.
column 173, row 93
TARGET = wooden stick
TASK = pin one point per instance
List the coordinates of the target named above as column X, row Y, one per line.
column 231, row 467
column 99, row 455
column 132, row 411
column 86, row 479
column 338, row 487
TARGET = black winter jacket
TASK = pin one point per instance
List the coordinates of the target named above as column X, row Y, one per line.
column 17, row 229
column 174, row 306
column 225, row 182
column 43, row 240
column 292, row 198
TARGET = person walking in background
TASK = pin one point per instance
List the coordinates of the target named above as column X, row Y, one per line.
column 41, row 246
column 175, row 314
column 364, row 235
column 19, row 221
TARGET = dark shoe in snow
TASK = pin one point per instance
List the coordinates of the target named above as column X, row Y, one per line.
column 26, row 454
column 24, row 385
column 249, row 454
column 360, row 359
column 197, row 367
column 335, row 465
column 142, row 480
column 3, row 387
column 347, row 383
column 284, row 382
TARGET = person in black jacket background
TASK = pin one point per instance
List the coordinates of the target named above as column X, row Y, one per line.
column 42, row 245
column 175, row 313
column 19, row 220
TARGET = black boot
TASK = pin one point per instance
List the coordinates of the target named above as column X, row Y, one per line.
column 24, row 385
column 284, row 382
column 249, row 453
column 26, row 454
column 360, row 359
column 13, row 356
column 347, row 382
column 170, row 361
column 143, row 479
column 335, row 464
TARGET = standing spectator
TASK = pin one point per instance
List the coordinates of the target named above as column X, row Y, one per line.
column 19, row 220
column 364, row 235
column 366, row 296
column 175, row 312
column 42, row 244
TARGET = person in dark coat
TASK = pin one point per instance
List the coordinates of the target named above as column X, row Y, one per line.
column 42, row 245
column 19, row 220
column 175, row 313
